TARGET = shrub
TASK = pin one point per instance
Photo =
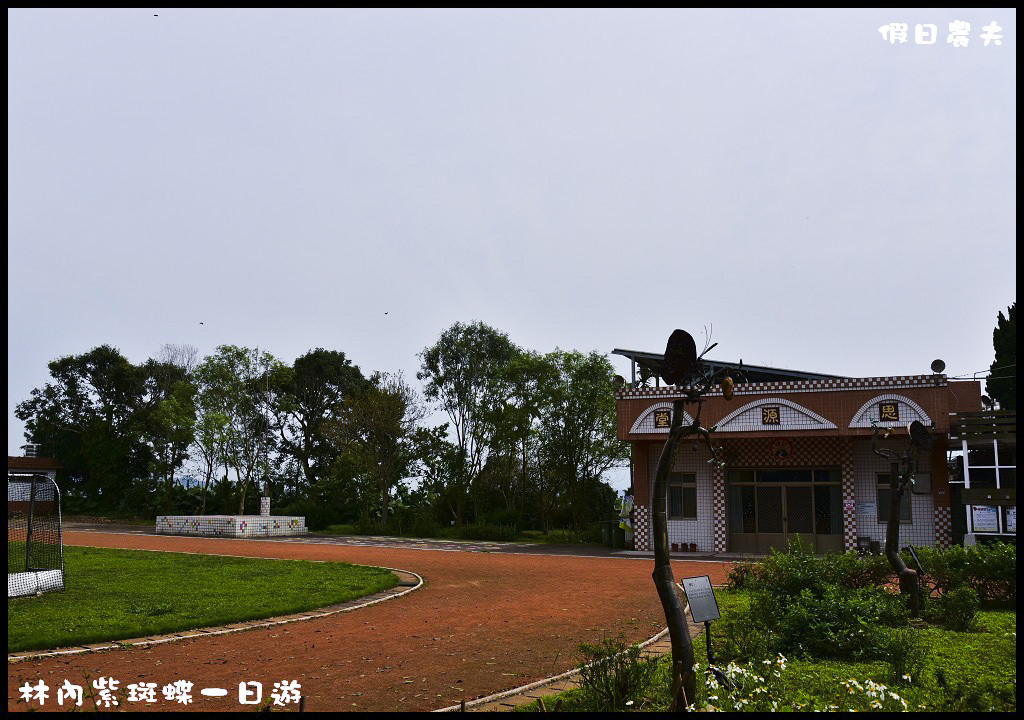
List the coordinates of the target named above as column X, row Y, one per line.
column 613, row 676
column 799, row 568
column 318, row 516
column 742, row 575
column 956, row 609
column 990, row 569
column 840, row 624
column 743, row 636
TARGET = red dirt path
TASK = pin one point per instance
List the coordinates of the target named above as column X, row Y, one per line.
column 482, row 623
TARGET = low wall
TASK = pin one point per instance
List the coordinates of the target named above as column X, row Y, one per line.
column 231, row 525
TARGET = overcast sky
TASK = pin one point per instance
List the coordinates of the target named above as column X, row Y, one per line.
column 583, row 179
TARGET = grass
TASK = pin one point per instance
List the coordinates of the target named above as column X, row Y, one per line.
column 118, row 594
column 963, row 672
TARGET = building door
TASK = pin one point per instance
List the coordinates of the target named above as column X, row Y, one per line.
column 770, row 508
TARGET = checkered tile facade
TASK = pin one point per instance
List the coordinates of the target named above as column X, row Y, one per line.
column 943, row 527
column 642, row 528
column 870, row 383
column 757, row 452
column 718, row 505
column 849, row 496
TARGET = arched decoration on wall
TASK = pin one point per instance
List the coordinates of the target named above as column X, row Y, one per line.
column 907, row 410
column 790, row 416
column 645, row 423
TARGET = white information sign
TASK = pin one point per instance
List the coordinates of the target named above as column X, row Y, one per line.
column 700, row 596
column 866, row 509
column 1011, row 519
column 985, row 518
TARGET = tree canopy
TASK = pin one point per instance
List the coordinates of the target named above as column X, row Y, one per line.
column 1001, row 385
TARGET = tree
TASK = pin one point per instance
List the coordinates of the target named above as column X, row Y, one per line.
column 169, row 423
column 377, row 430
column 442, row 468
column 462, row 371
column 578, row 429
column 314, row 392
column 515, row 422
column 234, row 382
column 1002, row 384
column 90, row 418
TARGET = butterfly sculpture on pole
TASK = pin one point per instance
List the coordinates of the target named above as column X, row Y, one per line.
column 901, row 476
column 682, row 367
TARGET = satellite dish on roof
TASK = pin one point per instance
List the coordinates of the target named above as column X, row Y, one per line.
column 680, row 358
column 938, row 366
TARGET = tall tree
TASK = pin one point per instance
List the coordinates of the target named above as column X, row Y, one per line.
column 89, row 418
column 462, row 371
column 234, row 382
column 169, row 423
column 377, row 430
column 313, row 392
column 1002, row 385
column 515, row 423
column 577, row 431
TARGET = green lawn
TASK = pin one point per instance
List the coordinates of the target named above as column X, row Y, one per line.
column 121, row 594
column 963, row 672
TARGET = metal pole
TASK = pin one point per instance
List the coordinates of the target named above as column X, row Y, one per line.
column 31, row 512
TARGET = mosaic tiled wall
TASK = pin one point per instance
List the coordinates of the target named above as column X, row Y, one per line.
column 231, row 525
column 698, row 531
column 921, row 529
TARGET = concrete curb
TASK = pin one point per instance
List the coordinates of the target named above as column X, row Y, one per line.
column 407, row 583
column 658, row 645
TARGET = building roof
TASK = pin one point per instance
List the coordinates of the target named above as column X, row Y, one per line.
column 32, row 463
column 753, row 373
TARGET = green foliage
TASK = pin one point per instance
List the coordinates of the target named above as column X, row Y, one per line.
column 799, row 568
column 839, row 623
column 614, row 677
column 906, row 652
column 991, row 570
column 1002, row 385
column 955, row 609
column 318, row 515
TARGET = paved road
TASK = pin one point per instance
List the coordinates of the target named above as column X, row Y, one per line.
column 488, row 619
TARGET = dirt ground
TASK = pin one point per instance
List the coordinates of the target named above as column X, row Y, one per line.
column 482, row 623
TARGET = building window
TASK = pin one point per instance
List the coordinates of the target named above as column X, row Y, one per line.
column 883, row 501
column 682, row 496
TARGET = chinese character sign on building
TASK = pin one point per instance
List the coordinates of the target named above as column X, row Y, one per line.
column 889, row 411
column 662, row 419
column 770, row 415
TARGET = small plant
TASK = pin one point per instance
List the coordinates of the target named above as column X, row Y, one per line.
column 613, row 676
column 906, row 652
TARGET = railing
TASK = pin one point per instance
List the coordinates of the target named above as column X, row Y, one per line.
column 984, row 425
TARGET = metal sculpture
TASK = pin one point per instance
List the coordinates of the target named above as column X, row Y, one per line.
column 901, row 475
column 682, row 367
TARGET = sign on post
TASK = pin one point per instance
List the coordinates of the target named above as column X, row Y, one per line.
column 701, row 598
